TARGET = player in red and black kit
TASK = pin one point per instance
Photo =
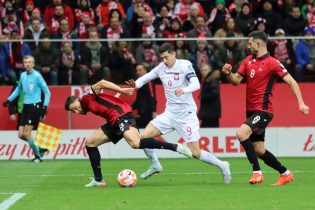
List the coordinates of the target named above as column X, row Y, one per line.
column 261, row 72
column 120, row 124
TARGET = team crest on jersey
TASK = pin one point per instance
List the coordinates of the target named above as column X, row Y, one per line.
column 176, row 76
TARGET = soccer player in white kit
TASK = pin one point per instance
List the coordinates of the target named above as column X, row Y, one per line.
column 179, row 81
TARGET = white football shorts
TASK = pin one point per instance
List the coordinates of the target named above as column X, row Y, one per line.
column 187, row 125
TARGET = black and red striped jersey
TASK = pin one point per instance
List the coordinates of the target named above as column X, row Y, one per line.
column 103, row 105
column 261, row 75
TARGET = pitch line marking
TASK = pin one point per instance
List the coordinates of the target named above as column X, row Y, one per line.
column 166, row 173
column 10, row 201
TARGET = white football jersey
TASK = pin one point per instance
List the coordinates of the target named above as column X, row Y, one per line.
column 172, row 78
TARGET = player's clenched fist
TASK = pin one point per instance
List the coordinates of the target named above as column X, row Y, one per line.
column 304, row 109
column 226, row 69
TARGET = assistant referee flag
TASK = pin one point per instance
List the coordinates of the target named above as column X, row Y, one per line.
column 47, row 137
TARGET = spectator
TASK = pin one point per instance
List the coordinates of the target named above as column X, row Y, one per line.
column 36, row 14
column 11, row 22
column 201, row 55
column 54, row 24
column 181, row 49
column 69, row 68
column 191, row 20
column 259, row 24
column 84, row 8
column 147, row 52
column 162, row 21
column 83, row 25
column 305, row 55
column 47, row 61
column 94, row 60
column 218, row 16
column 310, row 15
column 103, row 10
column 171, row 6
column 182, row 9
column 235, row 7
column 272, row 17
column 245, row 19
column 228, row 27
column 210, row 100
column 121, row 62
column 230, row 52
column 147, row 25
column 294, row 24
column 175, row 30
column 200, row 30
column 116, row 13
column 15, row 50
column 3, row 61
column 65, row 33
column 309, row 6
column 114, row 31
column 135, row 25
column 145, row 102
column 8, row 5
column 29, row 6
column 141, row 23
column 282, row 50
column 35, row 32
column 50, row 13
column 134, row 6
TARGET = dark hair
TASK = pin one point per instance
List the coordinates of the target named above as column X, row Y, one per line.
column 259, row 35
column 69, row 101
column 163, row 5
column 115, row 10
column 166, row 47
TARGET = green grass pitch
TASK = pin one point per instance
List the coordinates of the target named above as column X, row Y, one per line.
column 184, row 184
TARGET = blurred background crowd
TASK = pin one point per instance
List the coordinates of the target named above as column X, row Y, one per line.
column 66, row 37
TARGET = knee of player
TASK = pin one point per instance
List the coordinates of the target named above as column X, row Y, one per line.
column 134, row 144
column 26, row 135
column 260, row 151
column 195, row 153
column 241, row 135
column 90, row 143
column 20, row 135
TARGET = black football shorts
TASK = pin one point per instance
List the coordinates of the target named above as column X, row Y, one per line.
column 30, row 115
column 258, row 122
column 116, row 132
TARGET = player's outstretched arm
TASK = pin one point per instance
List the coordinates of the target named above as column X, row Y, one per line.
column 143, row 79
column 234, row 79
column 103, row 84
column 297, row 92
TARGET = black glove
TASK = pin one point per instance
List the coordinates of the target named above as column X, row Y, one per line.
column 6, row 103
column 44, row 110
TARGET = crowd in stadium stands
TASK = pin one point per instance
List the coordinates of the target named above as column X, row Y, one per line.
column 69, row 62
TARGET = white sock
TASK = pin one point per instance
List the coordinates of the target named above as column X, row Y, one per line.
column 258, row 172
column 152, row 155
column 210, row 158
column 286, row 173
